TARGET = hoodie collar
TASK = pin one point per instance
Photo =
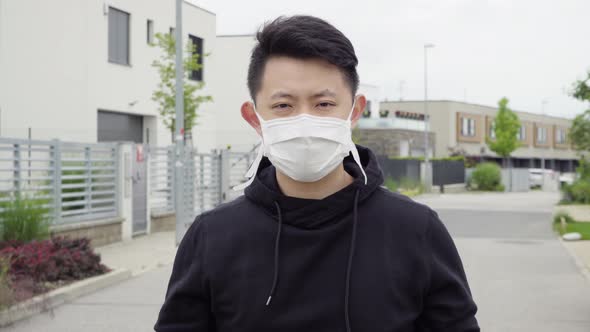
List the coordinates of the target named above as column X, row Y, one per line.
column 311, row 213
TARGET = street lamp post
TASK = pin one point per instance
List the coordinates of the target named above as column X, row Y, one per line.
column 179, row 206
column 427, row 169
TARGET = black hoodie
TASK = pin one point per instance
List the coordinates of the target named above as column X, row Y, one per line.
column 362, row 259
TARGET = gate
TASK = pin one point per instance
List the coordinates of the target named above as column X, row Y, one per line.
column 139, row 188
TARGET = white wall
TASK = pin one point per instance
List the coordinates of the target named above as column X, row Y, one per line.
column 230, row 90
column 44, row 71
column 55, row 74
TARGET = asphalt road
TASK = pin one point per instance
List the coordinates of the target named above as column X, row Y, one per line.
column 521, row 276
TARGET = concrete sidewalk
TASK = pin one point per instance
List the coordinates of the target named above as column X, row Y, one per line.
column 131, row 305
column 581, row 252
column 141, row 254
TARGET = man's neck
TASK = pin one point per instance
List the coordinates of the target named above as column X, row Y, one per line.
column 331, row 183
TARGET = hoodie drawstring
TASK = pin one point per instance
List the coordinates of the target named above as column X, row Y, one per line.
column 348, row 267
column 275, row 279
column 350, row 256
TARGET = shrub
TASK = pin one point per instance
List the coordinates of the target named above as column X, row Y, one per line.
column 583, row 169
column 5, row 287
column 577, row 192
column 409, row 183
column 561, row 214
column 60, row 258
column 488, row 177
column 391, row 184
column 24, row 219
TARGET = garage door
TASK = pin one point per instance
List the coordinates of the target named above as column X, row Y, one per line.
column 119, row 127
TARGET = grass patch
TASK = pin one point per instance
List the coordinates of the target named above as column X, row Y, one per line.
column 578, row 227
column 406, row 186
column 570, row 225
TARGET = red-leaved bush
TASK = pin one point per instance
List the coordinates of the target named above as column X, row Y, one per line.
column 57, row 259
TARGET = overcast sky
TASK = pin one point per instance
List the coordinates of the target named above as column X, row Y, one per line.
column 526, row 50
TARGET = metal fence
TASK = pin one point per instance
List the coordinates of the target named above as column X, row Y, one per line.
column 161, row 179
column 209, row 178
column 516, row 179
column 446, row 172
column 74, row 181
column 399, row 169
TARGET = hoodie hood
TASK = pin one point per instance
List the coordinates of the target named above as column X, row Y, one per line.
column 311, row 213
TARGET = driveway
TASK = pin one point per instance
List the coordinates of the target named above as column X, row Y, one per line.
column 522, row 278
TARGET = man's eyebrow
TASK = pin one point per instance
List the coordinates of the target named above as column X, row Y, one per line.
column 281, row 94
column 325, row 93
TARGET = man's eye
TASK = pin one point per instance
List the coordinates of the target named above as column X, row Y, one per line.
column 325, row 105
column 282, row 106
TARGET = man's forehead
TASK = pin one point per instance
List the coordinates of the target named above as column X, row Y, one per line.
column 320, row 93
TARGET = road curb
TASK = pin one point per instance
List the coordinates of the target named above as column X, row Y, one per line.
column 579, row 263
column 54, row 298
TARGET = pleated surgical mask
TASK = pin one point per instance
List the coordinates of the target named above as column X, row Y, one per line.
column 305, row 147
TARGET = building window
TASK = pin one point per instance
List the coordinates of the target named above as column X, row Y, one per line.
column 541, row 135
column 118, row 36
column 493, row 130
column 521, row 135
column 150, row 31
column 467, row 127
column 197, row 75
column 560, row 136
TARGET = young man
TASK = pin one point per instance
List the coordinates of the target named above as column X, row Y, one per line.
column 315, row 244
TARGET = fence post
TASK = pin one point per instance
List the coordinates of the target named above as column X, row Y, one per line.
column 117, row 163
column 189, row 187
column 201, row 183
column 88, row 180
column 56, row 146
column 170, row 176
column 224, row 175
column 125, row 203
column 17, row 170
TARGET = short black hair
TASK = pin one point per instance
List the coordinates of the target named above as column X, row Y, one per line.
column 302, row 37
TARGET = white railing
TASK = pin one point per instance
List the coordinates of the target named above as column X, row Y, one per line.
column 208, row 179
column 74, row 181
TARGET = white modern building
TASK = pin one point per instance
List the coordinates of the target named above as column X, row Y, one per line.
column 232, row 57
column 81, row 70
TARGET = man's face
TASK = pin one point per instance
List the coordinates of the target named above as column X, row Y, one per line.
column 291, row 87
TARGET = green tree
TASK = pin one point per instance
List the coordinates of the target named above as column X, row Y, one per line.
column 581, row 89
column 165, row 94
column 506, row 127
column 579, row 133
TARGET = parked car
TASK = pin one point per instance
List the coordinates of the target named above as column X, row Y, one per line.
column 536, row 176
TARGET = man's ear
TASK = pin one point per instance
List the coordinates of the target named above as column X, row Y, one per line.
column 249, row 114
column 359, row 108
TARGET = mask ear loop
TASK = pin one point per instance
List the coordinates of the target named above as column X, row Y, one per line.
column 251, row 173
column 355, row 153
column 349, row 119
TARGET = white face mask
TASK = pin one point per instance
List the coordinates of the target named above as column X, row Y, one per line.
column 306, row 148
